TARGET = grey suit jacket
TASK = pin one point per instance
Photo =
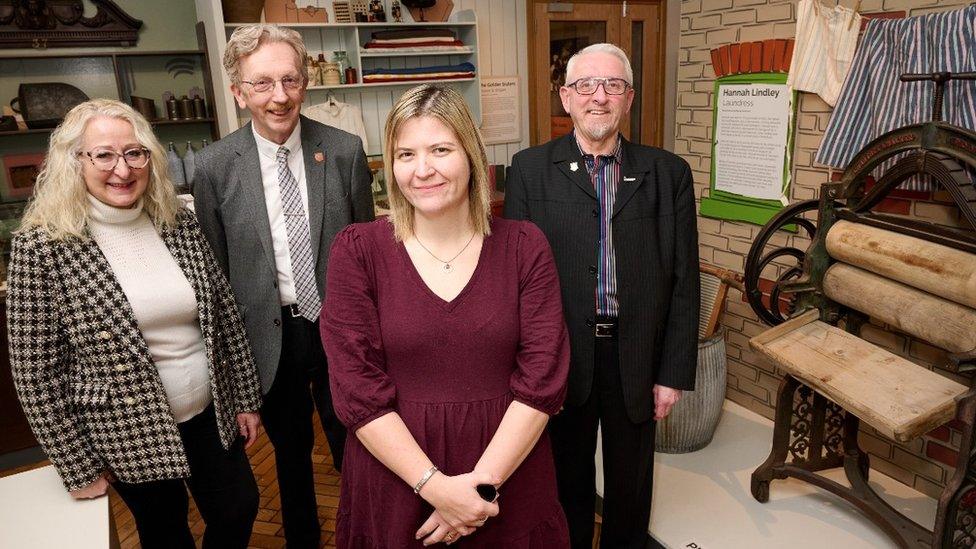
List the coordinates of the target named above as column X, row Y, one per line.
column 229, row 202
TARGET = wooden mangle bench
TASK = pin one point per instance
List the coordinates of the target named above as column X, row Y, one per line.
column 916, row 277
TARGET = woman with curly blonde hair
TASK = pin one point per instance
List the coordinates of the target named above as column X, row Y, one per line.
column 127, row 349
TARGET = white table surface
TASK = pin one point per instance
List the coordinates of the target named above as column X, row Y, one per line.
column 37, row 512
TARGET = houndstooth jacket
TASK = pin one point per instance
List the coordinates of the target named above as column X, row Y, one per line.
column 83, row 371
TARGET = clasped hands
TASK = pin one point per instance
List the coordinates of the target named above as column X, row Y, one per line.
column 458, row 509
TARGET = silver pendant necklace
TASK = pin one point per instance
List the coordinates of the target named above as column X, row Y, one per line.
column 448, row 268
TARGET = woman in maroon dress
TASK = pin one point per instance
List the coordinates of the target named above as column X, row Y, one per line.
column 447, row 350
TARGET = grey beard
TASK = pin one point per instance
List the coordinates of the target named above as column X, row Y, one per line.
column 598, row 132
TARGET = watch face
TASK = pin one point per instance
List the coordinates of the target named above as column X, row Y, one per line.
column 487, row 492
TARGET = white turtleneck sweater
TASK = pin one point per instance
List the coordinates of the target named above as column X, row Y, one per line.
column 162, row 300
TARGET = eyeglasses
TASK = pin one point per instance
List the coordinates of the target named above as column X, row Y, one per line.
column 588, row 86
column 106, row 160
column 265, row 85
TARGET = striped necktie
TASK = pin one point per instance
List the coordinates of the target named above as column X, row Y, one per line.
column 299, row 240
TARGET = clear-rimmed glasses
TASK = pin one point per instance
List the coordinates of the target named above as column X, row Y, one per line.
column 264, row 85
column 106, row 160
column 588, row 86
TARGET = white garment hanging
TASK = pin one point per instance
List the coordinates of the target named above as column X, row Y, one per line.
column 826, row 39
column 344, row 116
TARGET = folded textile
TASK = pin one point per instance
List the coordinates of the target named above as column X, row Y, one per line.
column 458, row 48
column 462, row 67
column 415, row 77
column 443, row 74
column 397, row 47
column 412, row 33
column 407, row 41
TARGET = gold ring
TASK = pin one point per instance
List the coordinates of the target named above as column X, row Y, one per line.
column 449, row 536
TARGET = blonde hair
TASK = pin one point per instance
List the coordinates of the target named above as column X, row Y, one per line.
column 60, row 205
column 449, row 107
column 245, row 40
column 601, row 48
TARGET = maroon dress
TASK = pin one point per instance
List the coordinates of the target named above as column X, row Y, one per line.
column 451, row 370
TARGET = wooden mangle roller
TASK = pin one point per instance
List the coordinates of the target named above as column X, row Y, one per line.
column 889, row 276
column 937, row 269
column 944, row 323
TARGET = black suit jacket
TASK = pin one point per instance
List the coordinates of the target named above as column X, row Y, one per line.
column 655, row 239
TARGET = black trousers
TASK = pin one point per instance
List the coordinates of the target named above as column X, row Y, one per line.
column 222, row 485
column 301, row 384
column 628, row 460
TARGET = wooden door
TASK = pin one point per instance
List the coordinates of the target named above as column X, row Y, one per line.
column 559, row 29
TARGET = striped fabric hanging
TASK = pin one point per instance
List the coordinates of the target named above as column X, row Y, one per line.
column 873, row 101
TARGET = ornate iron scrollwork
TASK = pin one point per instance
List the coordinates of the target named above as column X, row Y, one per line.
column 801, row 428
column 62, row 23
column 833, row 443
column 964, row 534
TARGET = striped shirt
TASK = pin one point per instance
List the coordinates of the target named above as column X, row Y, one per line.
column 873, row 100
column 826, row 39
column 605, row 176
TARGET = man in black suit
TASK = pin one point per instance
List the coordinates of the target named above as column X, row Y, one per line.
column 270, row 197
column 621, row 220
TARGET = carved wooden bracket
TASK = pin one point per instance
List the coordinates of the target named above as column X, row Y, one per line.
column 61, row 23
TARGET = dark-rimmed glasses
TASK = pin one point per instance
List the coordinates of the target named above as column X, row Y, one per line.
column 106, row 160
column 264, row 85
column 588, row 86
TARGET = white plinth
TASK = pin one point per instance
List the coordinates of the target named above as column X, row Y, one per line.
column 37, row 513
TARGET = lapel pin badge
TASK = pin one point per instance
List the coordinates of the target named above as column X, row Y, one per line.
column 573, row 166
column 630, row 179
column 319, row 156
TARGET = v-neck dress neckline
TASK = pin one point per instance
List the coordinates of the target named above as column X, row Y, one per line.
column 447, row 306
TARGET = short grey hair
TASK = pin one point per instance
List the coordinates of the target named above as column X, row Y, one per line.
column 245, row 40
column 602, row 48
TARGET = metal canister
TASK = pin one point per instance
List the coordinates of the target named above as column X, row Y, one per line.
column 185, row 108
column 351, row 77
column 199, row 108
column 172, row 109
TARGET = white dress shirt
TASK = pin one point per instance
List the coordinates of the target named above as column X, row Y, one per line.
column 267, row 154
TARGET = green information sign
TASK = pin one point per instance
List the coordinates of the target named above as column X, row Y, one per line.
column 752, row 143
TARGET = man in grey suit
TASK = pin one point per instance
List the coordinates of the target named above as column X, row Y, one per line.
column 270, row 197
column 620, row 218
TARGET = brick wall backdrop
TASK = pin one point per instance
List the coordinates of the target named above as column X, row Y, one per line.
column 705, row 24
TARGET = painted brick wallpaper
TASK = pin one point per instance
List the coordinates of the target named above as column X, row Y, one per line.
column 705, row 24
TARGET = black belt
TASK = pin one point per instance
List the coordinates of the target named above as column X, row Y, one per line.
column 291, row 311
column 605, row 327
